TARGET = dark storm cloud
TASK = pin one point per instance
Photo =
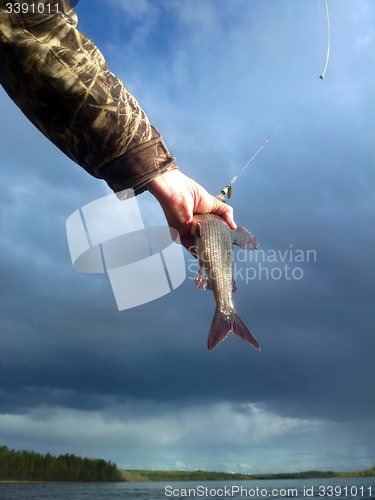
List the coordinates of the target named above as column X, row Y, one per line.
column 96, row 353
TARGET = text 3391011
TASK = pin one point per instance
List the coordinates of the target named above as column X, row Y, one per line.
column 32, row 8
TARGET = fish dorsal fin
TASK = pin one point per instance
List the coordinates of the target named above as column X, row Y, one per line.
column 244, row 239
column 202, row 281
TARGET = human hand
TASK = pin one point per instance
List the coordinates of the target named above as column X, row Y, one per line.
column 181, row 198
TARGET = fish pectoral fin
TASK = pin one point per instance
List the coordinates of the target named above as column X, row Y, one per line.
column 197, row 230
column 202, row 281
column 244, row 239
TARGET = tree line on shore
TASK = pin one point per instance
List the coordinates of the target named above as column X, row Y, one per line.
column 31, row 466
column 200, row 475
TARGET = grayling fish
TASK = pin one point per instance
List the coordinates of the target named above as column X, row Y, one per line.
column 213, row 239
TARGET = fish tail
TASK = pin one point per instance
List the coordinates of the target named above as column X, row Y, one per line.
column 241, row 331
column 223, row 323
column 220, row 327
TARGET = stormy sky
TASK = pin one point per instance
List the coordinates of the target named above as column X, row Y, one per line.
column 139, row 387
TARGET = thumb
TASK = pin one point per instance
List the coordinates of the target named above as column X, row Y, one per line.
column 225, row 211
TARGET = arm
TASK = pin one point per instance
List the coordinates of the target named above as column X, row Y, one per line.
column 60, row 81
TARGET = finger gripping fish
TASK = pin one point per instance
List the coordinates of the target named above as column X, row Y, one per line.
column 214, row 239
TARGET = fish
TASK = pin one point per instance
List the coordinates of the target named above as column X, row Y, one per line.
column 213, row 240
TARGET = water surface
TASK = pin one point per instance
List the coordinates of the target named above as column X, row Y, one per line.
column 339, row 488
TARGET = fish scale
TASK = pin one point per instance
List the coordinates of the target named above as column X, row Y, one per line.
column 220, row 260
column 213, row 239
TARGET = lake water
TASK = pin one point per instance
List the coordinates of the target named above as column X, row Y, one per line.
column 343, row 488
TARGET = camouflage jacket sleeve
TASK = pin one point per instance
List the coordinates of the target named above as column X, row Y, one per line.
column 60, row 81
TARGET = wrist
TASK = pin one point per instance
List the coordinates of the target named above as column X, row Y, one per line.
column 164, row 185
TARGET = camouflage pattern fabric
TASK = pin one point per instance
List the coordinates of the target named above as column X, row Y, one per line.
column 60, row 81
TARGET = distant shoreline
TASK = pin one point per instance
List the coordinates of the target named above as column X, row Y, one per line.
column 132, row 476
column 149, row 475
column 30, row 467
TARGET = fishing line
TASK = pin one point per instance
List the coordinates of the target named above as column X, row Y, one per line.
column 228, row 189
column 328, row 41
